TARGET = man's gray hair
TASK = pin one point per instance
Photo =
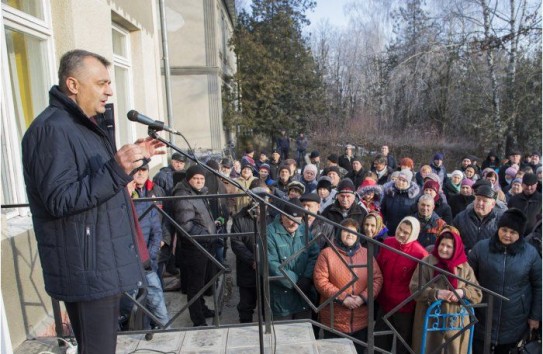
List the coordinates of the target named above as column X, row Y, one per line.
column 72, row 61
column 427, row 198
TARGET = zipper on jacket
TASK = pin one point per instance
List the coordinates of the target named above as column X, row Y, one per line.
column 88, row 248
column 502, row 291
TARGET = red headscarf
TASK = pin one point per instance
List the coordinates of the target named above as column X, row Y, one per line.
column 458, row 257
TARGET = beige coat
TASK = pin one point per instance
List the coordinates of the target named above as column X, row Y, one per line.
column 428, row 296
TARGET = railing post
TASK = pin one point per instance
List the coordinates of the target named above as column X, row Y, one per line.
column 371, row 308
column 488, row 324
column 265, row 267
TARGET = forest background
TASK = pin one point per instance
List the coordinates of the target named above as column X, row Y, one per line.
column 455, row 76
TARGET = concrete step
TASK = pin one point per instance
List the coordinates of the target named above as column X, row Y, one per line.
column 295, row 338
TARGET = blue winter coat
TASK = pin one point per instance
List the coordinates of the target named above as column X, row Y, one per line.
column 285, row 300
column 473, row 230
column 397, row 204
column 81, row 210
column 514, row 272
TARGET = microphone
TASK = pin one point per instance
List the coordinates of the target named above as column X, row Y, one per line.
column 135, row 116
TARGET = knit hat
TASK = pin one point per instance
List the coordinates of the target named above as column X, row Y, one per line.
column 529, row 179
column 332, row 169
column 346, row 186
column 431, row 185
column 276, row 151
column 467, row 182
column 178, row 157
column 265, row 166
column 246, row 164
column 485, row 191
column 407, row 174
column 297, row 186
column 333, row 158
column 514, row 219
column 314, row 153
column 514, row 152
column 438, row 156
column 310, row 197
column 290, row 209
column 324, row 182
column 226, row 162
column 394, row 175
column 213, row 164
column 511, row 171
column 457, row 173
column 516, row 180
column 283, row 167
column 310, row 167
column 195, row 170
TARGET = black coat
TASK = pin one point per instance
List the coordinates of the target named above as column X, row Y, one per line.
column 243, row 247
column 530, row 205
column 397, row 204
column 334, row 213
column 473, row 230
column 356, row 177
column 459, row 202
column 514, row 272
column 81, row 210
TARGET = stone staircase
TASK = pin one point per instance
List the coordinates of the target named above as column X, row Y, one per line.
column 295, row 338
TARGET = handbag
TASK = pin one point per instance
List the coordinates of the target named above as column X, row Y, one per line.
column 530, row 344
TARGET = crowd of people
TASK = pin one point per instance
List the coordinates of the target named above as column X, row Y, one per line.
column 469, row 224
column 479, row 225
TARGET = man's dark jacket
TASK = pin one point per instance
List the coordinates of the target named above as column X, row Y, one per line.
column 530, row 205
column 81, row 210
column 243, row 247
column 472, row 229
column 334, row 213
column 459, row 202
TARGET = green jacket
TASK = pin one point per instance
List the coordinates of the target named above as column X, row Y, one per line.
column 285, row 300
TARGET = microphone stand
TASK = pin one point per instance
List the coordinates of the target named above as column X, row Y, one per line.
column 261, row 256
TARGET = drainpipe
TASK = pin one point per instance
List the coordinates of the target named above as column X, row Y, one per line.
column 166, row 66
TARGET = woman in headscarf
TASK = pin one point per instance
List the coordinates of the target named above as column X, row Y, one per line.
column 333, row 272
column 397, row 273
column 448, row 254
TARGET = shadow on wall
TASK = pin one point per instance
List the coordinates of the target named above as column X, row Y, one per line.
column 28, row 307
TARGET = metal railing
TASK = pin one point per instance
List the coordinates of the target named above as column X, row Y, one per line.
column 266, row 319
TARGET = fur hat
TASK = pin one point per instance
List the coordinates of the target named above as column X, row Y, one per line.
column 324, row 182
column 314, row 153
column 346, row 186
column 195, row 170
column 297, row 186
column 514, row 219
column 311, row 167
column 283, row 167
column 332, row 169
column 265, row 166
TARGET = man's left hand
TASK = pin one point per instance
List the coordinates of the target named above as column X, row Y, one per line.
column 150, row 146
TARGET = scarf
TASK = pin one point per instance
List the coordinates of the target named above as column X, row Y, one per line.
column 458, row 257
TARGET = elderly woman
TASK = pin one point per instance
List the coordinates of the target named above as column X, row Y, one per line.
column 372, row 226
column 507, row 265
column 453, row 184
column 397, row 273
column 398, row 199
column 332, row 272
column 449, row 255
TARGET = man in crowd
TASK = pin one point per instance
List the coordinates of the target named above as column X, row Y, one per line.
column 438, row 168
column 194, row 216
column 357, row 173
column 286, row 237
column 479, row 220
column 430, row 223
column 318, row 228
column 275, row 163
column 381, row 169
column 314, row 158
column 332, row 161
column 301, row 147
column 529, row 201
column 391, row 161
column 346, row 159
column 514, row 160
column 83, row 217
column 460, row 201
column 345, row 206
column 283, row 144
column 164, row 178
